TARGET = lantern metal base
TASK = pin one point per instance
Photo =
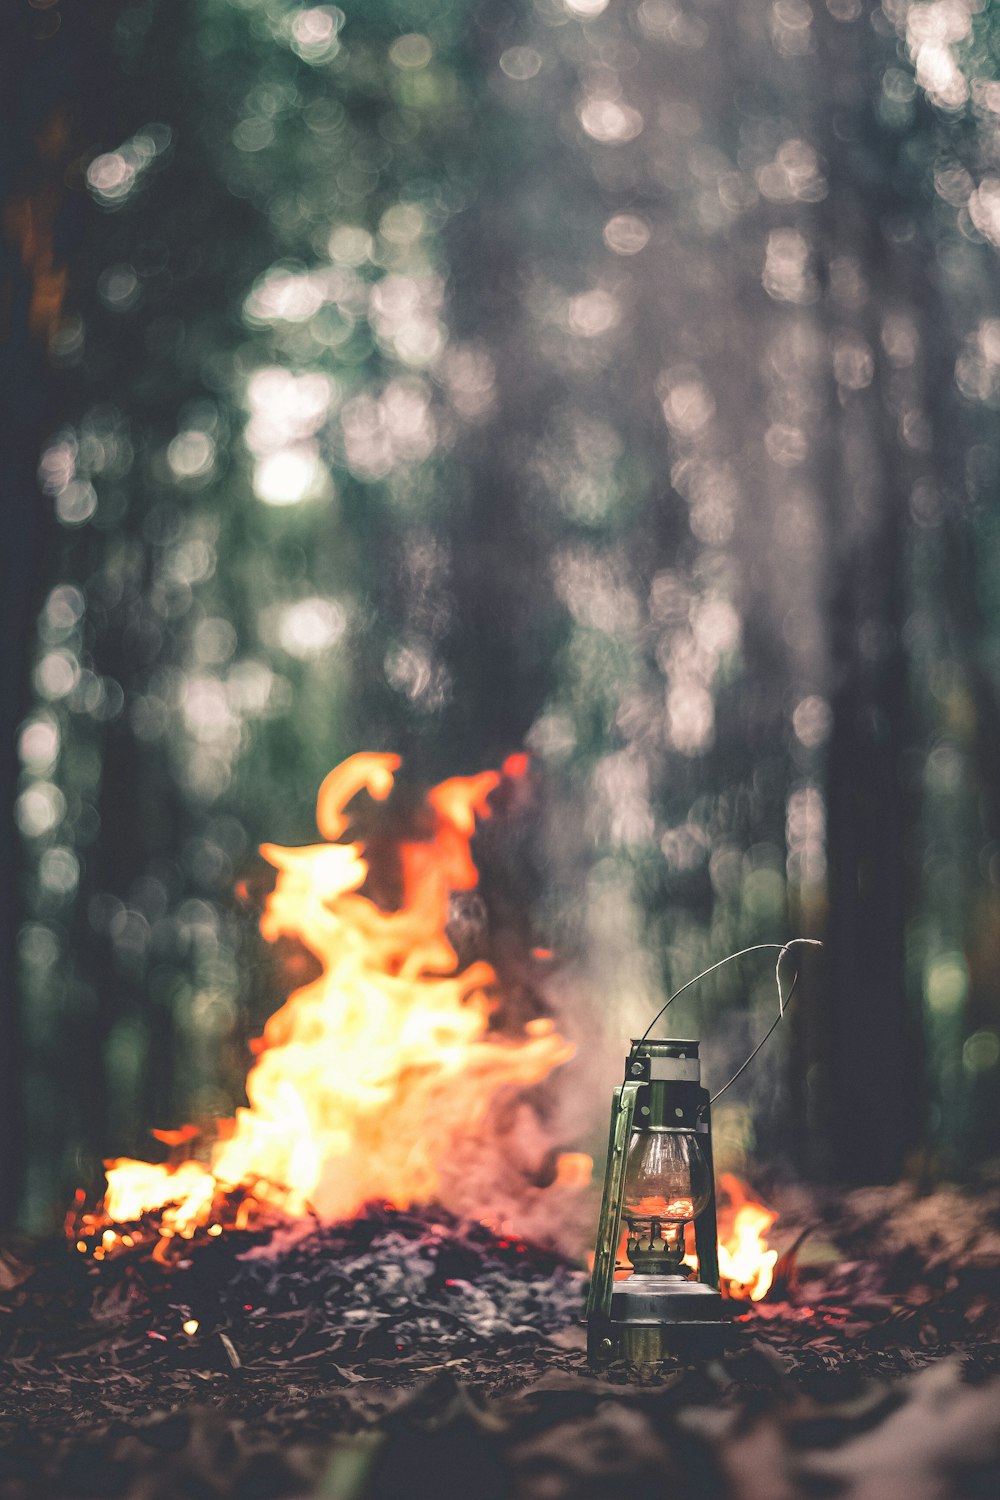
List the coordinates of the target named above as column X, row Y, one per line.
column 659, row 1320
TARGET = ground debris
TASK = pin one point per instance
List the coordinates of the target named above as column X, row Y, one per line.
column 376, row 1358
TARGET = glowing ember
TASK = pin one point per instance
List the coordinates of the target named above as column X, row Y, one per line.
column 370, row 1078
column 746, row 1265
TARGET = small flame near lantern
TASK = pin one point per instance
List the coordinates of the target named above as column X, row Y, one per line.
column 746, row 1265
column 372, row 1082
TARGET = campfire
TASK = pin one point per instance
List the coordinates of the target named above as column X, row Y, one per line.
column 382, row 1070
column 378, row 1073
column 320, row 1254
column 374, row 1081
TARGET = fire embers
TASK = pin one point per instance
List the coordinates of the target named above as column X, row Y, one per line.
column 374, row 1078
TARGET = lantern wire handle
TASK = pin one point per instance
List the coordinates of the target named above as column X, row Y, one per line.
column 783, row 999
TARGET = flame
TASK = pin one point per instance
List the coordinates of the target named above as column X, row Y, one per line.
column 746, row 1265
column 677, row 1211
column 370, row 1077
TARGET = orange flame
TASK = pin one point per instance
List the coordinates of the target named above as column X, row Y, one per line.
column 677, row 1211
column 368, row 1078
column 746, row 1265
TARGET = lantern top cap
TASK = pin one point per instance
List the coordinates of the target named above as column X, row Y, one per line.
column 661, row 1047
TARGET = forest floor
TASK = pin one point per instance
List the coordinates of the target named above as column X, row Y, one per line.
column 410, row 1354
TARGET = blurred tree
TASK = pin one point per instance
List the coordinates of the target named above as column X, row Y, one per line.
column 50, row 96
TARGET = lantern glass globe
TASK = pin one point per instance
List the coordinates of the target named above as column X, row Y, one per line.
column 667, row 1182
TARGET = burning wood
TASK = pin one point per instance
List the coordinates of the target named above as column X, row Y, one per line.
column 373, row 1080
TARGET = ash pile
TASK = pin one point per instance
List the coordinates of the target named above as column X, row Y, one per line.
column 390, row 1291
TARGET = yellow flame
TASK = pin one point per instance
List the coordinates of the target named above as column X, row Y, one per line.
column 746, row 1265
column 367, row 1077
column 745, row 1260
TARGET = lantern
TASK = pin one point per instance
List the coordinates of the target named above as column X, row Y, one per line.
column 659, row 1178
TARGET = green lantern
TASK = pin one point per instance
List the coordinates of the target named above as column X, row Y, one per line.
column 659, row 1178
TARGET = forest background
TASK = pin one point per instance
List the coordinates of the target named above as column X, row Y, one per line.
column 613, row 380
